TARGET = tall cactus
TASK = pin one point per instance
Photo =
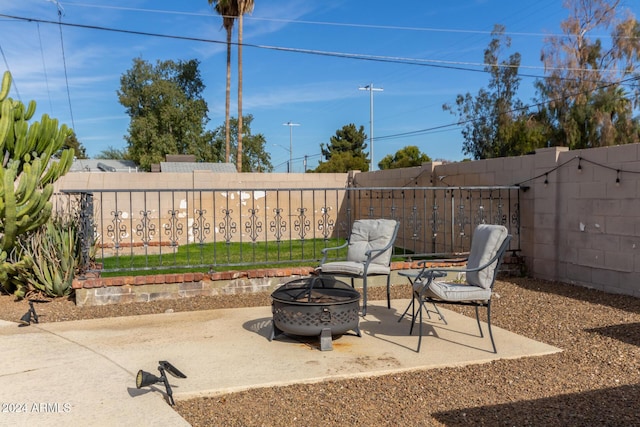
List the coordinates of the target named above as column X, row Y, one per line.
column 27, row 173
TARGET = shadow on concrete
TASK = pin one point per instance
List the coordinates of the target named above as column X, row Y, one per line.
column 262, row 326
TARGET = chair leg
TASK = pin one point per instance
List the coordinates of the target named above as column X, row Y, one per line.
column 406, row 310
column 489, row 325
column 419, row 327
column 413, row 319
column 413, row 312
column 478, row 320
column 389, row 291
column 364, row 295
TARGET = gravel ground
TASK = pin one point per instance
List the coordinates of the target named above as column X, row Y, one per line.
column 594, row 381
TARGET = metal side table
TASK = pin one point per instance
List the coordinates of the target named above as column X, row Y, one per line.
column 411, row 275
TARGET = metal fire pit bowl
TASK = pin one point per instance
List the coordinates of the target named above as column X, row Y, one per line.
column 316, row 305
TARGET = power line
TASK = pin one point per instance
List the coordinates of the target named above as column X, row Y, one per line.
column 334, row 24
column 514, row 110
column 9, row 69
column 434, row 63
column 44, row 67
column 455, row 65
column 64, row 60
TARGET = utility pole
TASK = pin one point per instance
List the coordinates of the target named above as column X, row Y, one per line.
column 371, row 89
column 291, row 125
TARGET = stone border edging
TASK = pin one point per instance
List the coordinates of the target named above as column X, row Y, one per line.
column 96, row 290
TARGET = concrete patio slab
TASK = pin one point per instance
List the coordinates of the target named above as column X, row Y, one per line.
column 83, row 372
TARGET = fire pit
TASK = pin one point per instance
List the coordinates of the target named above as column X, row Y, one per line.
column 317, row 305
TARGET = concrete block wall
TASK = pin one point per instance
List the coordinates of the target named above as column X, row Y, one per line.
column 580, row 226
column 598, row 241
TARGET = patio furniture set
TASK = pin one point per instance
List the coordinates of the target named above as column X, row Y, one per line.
column 321, row 305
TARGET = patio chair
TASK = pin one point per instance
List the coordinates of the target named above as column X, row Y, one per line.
column 488, row 246
column 370, row 245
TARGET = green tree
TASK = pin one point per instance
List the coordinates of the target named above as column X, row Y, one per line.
column 168, row 113
column 587, row 85
column 255, row 158
column 342, row 162
column 111, row 153
column 72, row 142
column 345, row 151
column 493, row 119
column 404, row 158
column 228, row 10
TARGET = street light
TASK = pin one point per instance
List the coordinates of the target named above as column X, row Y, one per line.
column 371, row 89
column 291, row 125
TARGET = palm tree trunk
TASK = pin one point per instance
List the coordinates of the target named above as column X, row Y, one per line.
column 227, row 126
column 239, row 156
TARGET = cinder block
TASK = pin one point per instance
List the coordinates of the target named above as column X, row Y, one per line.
column 155, row 296
column 112, row 291
column 189, row 286
column 622, row 262
column 591, row 257
column 606, row 279
column 578, row 273
column 621, row 153
column 620, row 225
column 594, row 189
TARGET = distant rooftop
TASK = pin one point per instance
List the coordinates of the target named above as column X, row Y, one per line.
column 189, row 158
column 174, row 163
column 197, row 166
column 101, row 165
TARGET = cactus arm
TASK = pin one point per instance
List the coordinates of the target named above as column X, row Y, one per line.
column 10, row 224
column 6, row 85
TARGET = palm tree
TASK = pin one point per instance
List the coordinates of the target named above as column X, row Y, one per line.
column 228, row 9
column 244, row 6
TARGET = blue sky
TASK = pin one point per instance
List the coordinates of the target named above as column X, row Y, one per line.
column 439, row 44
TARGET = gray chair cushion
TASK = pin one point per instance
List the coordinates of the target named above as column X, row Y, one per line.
column 486, row 243
column 456, row 292
column 343, row 267
column 369, row 234
column 352, row 268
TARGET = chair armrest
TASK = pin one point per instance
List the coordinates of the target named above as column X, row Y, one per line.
column 441, row 272
column 431, row 273
column 325, row 251
column 374, row 253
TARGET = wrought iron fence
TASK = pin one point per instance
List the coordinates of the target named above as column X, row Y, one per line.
column 188, row 228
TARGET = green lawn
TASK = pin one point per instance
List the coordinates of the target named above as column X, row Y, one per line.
column 203, row 257
column 225, row 256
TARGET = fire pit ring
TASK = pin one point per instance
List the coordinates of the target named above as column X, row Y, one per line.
column 315, row 305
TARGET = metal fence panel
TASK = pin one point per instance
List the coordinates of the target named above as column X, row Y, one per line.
column 188, row 228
